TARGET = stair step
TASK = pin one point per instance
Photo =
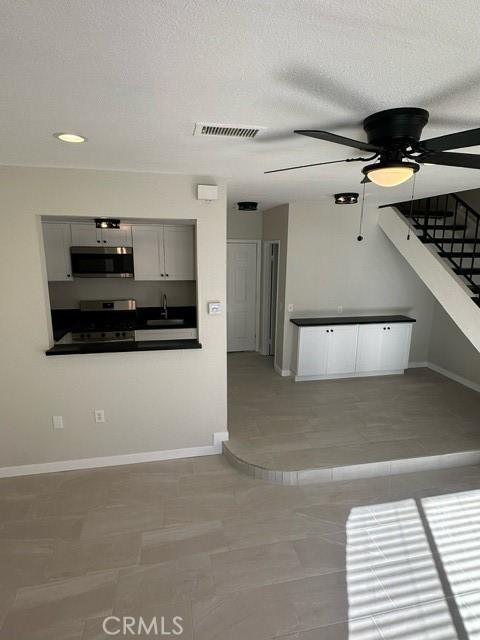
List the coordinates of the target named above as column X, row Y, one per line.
column 450, row 240
column 474, row 287
column 477, row 301
column 459, row 254
column 441, row 227
column 467, row 271
column 432, row 214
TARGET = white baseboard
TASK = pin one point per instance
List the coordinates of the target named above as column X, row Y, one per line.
column 280, row 371
column 418, row 365
column 114, row 461
column 454, row 376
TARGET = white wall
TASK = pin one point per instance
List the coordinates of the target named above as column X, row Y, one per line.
column 66, row 295
column 450, row 349
column 244, row 225
column 152, row 400
column 328, row 267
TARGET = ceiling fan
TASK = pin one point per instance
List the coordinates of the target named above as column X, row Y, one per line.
column 393, row 137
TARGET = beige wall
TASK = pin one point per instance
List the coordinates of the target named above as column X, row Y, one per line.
column 275, row 227
column 327, row 267
column 244, row 225
column 152, row 400
column 450, row 349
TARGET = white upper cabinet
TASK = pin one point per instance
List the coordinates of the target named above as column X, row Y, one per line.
column 87, row 235
column 116, row 237
column 56, row 238
column 148, row 258
column 179, row 251
column 163, row 252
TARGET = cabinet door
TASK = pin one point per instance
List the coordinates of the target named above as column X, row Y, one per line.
column 312, row 351
column 179, row 246
column 395, row 346
column 369, row 350
column 56, row 238
column 85, row 234
column 148, row 256
column 342, row 349
column 117, row 237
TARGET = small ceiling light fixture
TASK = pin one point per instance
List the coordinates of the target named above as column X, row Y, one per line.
column 390, row 174
column 73, row 138
column 107, row 223
column 247, row 206
column 346, row 198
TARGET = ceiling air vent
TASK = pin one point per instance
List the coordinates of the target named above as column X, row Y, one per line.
column 225, row 130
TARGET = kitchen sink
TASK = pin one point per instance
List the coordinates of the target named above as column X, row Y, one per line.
column 165, row 322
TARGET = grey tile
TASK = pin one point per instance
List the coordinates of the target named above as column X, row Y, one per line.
column 23, row 562
column 50, row 604
column 256, row 614
column 54, row 528
column 123, row 519
column 76, row 558
column 173, row 543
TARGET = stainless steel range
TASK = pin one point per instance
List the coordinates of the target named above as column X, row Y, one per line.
column 106, row 321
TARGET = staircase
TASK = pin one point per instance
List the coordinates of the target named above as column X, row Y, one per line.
column 453, row 227
column 440, row 239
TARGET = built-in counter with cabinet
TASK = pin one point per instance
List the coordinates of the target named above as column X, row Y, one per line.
column 351, row 346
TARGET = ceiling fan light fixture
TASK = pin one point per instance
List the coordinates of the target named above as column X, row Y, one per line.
column 390, row 174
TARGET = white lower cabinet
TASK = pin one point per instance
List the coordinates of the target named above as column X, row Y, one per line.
column 383, row 347
column 352, row 350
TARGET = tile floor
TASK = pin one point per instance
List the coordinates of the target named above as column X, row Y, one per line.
column 237, row 558
column 278, row 424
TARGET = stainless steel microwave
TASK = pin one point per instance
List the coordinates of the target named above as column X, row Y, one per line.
column 102, row 262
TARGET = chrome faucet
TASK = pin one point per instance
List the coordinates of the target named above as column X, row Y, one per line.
column 165, row 310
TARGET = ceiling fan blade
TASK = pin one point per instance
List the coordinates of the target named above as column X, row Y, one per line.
column 470, row 138
column 466, row 160
column 315, row 164
column 332, row 137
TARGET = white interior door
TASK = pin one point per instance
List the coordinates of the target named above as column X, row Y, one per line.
column 241, row 296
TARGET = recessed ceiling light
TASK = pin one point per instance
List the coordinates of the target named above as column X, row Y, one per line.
column 70, row 137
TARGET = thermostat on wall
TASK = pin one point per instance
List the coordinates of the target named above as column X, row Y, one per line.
column 207, row 192
column 214, row 308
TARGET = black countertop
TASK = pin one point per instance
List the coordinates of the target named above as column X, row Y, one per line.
column 338, row 320
column 119, row 347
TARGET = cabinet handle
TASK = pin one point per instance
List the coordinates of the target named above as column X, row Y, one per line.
column 68, row 275
column 166, row 275
column 162, row 275
column 388, row 328
column 98, row 241
column 105, row 241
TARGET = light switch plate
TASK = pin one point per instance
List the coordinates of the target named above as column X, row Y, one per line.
column 207, row 192
column 214, row 308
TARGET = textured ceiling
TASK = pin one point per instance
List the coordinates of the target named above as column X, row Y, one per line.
column 135, row 75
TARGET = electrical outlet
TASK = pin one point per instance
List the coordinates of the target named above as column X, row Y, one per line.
column 57, row 422
column 99, row 415
column 290, row 307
